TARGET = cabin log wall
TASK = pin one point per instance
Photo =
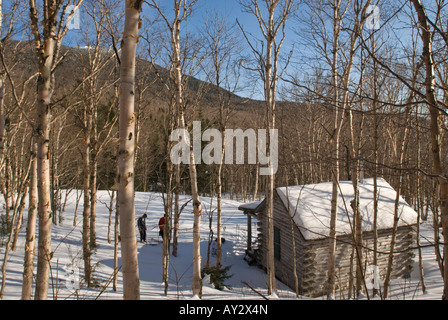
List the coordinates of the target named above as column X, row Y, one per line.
column 312, row 255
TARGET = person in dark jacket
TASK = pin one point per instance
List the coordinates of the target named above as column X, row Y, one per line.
column 141, row 224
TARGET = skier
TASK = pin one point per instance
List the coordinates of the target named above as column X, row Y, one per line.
column 141, row 223
column 161, row 226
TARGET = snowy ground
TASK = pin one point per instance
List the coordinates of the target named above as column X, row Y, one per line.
column 67, row 249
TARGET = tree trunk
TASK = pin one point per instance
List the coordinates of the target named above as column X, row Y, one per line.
column 431, row 98
column 219, row 214
column 42, row 131
column 419, row 205
column 269, row 95
column 30, row 228
column 219, row 187
column 93, row 176
column 176, row 209
column 375, row 160
column 116, row 241
column 86, row 205
column 116, row 232
column 131, row 282
column 2, row 115
column 197, row 211
column 167, row 228
column 47, row 45
column 2, row 92
column 396, row 219
column 7, row 249
column 336, row 136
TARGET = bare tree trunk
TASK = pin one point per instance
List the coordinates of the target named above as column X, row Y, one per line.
column 360, row 18
column 116, row 231
column 177, row 211
column 116, row 241
column 257, row 178
column 272, row 26
column 2, row 115
column 270, row 124
column 167, row 226
column 419, row 205
column 131, row 282
column 75, row 216
column 176, row 215
column 19, row 191
column 396, row 219
column 30, row 228
column 219, row 213
column 93, row 177
column 24, row 193
column 86, row 205
column 375, row 160
column 197, row 205
column 47, row 49
column 2, row 92
column 43, row 170
column 7, row 249
column 111, row 210
column 222, row 43
column 197, row 211
column 431, row 98
column 336, row 137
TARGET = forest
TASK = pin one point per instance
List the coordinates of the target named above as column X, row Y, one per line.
column 92, row 91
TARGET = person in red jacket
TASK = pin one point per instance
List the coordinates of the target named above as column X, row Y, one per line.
column 161, row 226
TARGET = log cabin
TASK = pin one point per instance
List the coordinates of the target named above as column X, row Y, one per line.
column 302, row 214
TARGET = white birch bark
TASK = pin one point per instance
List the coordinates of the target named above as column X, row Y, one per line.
column 30, row 229
column 131, row 282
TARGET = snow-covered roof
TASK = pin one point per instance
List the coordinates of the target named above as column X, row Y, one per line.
column 310, row 206
column 249, row 206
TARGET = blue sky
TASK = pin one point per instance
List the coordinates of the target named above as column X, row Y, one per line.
column 232, row 10
column 229, row 9
column 302, row 59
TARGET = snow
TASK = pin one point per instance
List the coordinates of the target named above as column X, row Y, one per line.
column 310, row 206
column 67, row 247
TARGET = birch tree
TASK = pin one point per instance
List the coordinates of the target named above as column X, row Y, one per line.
column 182, row 9
column 48, row 29
column 325, row 25
column 95, row 58
column 125, row 195
column 338, row 121
column 335, row 29
column 221, row 46
column 271, row 17
column 28, row 266
column 18, row 93
column 360, row 9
